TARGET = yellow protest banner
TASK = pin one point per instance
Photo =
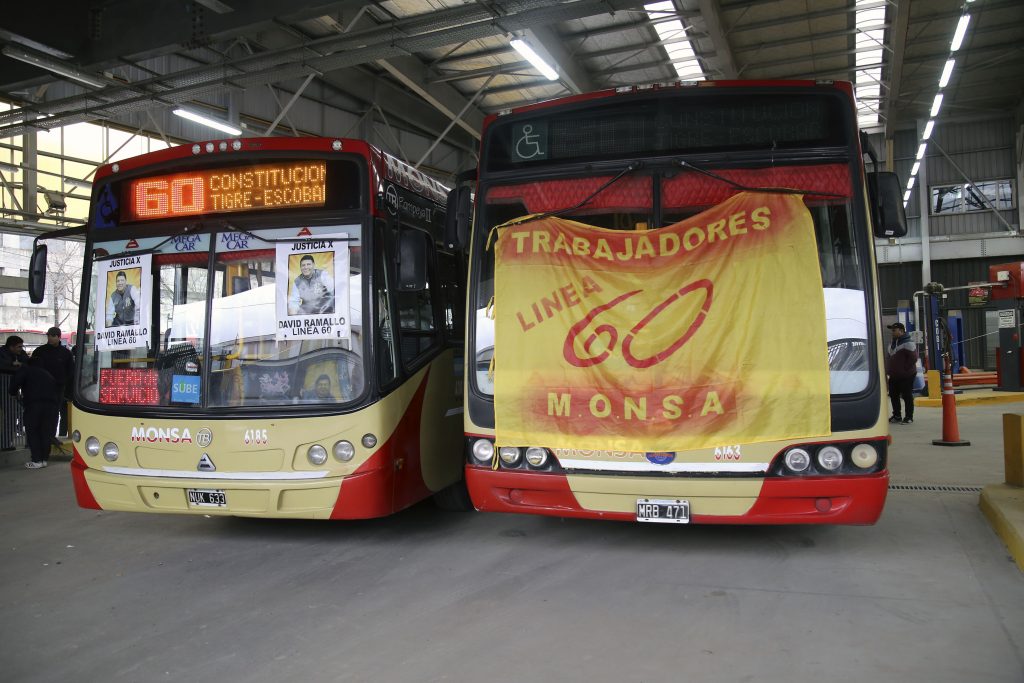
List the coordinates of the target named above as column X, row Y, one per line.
column 705, row 332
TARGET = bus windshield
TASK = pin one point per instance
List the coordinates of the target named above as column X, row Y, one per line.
column 271, row 317
column 642, row 202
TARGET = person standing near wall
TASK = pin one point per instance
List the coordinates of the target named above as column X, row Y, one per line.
column 901, row 366
column 57, row 361
column 12, row 357
column 39, row 395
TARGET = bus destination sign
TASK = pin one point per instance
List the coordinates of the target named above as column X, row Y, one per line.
column 224, row 190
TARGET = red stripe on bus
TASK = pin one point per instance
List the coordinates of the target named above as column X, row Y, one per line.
column 82, row 493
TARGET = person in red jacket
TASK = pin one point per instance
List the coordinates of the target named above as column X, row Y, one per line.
column 901, row 367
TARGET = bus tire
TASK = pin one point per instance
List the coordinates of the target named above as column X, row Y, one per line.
column 454, row 498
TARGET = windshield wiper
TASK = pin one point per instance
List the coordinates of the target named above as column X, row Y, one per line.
column 558, row 212
column 740, row 186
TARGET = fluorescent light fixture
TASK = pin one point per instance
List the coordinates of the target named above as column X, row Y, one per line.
column 915, row 169
column 75, row 182
column 906, row 197
column 8, row 168
column 936, row 105
column 53, row 65
column 539, row 64
column 928, row 129
column 921, row 150
column 961, row 31
column 947, row 71
column 207, row 121
column 910, row 183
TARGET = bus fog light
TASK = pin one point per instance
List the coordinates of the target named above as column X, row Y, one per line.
column 110, row 451
column 76, row 436
column 537, row 457
column 864, row 456
column 830, row 458
column 509, row 455
column 92, row 446
column 797, row 460
column 344, row 451
column 483, row 450
column 369, row 440
column 317, row 455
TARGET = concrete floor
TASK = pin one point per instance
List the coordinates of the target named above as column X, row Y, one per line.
column 929, row 594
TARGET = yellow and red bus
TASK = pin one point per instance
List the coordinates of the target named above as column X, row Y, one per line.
column 673, row 311
column 271, row 328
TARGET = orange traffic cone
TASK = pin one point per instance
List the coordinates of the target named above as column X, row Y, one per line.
column 950, row 428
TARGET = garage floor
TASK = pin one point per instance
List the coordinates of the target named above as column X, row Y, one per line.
column 929, row 594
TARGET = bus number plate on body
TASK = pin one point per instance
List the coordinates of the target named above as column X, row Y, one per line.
column 207, row 498
column 661, row 510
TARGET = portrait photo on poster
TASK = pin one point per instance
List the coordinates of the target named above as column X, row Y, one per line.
column 311, row 283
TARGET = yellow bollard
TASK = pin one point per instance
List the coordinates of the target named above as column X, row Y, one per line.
column 1013, row 448
column 934, row 384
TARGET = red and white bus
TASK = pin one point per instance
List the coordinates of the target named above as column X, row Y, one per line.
column 272, row 328
column 673, row 311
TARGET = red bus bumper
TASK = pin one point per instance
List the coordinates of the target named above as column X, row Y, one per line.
column 783, row 500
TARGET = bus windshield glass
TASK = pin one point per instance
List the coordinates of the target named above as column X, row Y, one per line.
column 235, row 319
column 641, row 202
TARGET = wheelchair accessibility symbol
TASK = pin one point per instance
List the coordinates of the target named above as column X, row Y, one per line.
column 531, row 141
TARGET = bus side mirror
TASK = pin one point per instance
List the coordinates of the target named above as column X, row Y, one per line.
column 886, row 195
column 412, row 261
column 37, row 274
column 457, row 218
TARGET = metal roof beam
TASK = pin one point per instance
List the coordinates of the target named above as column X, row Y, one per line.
column 413, row 74
column 551, row 47
column 723, row 61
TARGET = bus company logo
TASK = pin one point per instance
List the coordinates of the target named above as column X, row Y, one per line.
column 204, row 437
column 186, row 242
column 391, row 199
column 728, row 452
column 305, row 232
column 206, row 464
column 234, row 241
column 132, row 244
column 660, row 457
column 161, row 435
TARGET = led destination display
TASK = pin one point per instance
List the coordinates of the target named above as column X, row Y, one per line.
column 222, row 190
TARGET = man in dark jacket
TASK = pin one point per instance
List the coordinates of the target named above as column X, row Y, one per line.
column 57, row 361
column 901, row 366
column 38, row 393
column 12, row 357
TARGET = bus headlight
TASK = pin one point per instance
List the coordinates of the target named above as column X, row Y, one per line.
column 317, row 455
column 537, row 457
column 864, row 456
column 369, row 440
column 830, row 458
column 483, row 450
column 92, row 446
column 509, row 455
column 76, row 436
column 344, row 451
column 110, row 451
column 797, row 459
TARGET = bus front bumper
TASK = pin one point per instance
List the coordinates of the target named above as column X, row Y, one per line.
column 782, row 500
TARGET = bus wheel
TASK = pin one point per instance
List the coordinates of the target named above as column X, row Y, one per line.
column 454, row 498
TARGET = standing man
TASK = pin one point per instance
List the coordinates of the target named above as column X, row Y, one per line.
column 901, row 366
column 57, row 361
column 12, row 358
column 312, row 290
column 123, row 305
column 38, row 392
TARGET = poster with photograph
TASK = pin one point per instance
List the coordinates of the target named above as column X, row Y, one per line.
column 124, row 296
column 312, row 288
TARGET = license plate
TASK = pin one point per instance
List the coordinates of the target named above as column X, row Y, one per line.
column 207, row 498
column 661, row 510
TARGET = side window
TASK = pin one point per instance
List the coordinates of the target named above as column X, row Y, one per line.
column 419, row 330
column 453, row 296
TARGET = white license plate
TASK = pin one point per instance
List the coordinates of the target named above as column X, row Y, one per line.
column 207, row 498
column 673, row 511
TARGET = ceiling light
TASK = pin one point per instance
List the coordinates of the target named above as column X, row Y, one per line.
column 53, row 65
column 947, row 71
column 928, row 130
column 961, row 31
column 936, row 105
column 910, row 183
column 915, row 169
column 9, row 168
column 906, row 197
column 921, row 150
column 207, row 121
column 526, row 51
column 75, row 182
